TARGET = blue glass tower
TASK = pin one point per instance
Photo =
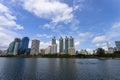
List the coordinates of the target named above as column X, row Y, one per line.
column 24, row 45
column 11, row 48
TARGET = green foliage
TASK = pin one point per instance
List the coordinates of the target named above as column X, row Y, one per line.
column 100, row 52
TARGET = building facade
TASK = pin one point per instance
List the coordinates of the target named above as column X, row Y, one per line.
column 66, row 44
column 54, row 40
column 48, row 50
column 53, row 46
column 61, row 45
column 35, row 47
column 71, row 42
column 110, row 50
column 17, row 46
column 54, row 49
column 10, row 49
column 71, row 51
column 24, row 45
column 117, row 45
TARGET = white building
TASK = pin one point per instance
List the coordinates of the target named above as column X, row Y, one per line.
column 42, row 51
column 48, row 50
column 83, row 52
column 71, row 51
column 17, row 45
column 35, row 47
column 110, row 50
column 54, row 49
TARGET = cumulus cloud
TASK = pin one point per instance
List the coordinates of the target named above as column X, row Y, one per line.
column 7, row 26
column 100, row 39
column 111, row 33
column 49, row 9
column 44, row 36
column 86, row 34
column 7, row 19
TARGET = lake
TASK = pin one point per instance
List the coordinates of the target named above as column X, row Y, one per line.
column 59, row 69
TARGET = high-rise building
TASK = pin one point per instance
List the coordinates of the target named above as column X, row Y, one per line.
column 10, row 49
column 42, row 51
column 24, row 45
column 61, row 45
column 54, row 40
column 48, row 50
column 71, row 51
column 35, row 47
column 53, row 46
column 17, row 46
column 110, row 50
column 117, row 45
column 71, row 42
column 54, row 49
column 66, row 44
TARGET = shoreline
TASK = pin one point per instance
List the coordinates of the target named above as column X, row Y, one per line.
column 63, row 56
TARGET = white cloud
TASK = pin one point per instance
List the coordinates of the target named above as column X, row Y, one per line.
column 77, row 43
column 6, row 19
column 74, row 24
column 49, row 9
column 90, row 51
column 7, row 24
column 44, row 36
column 44, row 45
column 100, row 39
column 86, row 34
column 116, row 25
column 110, row 34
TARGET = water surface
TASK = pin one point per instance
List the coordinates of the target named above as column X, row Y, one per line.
column 59, row 69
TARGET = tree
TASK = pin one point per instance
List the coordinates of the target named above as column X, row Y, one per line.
column 100, row 52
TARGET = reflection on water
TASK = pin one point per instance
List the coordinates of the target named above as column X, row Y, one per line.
column 59, row 69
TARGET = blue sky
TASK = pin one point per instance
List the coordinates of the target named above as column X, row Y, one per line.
column 90, row 22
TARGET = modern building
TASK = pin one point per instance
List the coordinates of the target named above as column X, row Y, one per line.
column 71, row 42
column 10, row 49
column 54, row 40
column 54, row 49
column 110, row 50
column 53, row 46
column 61, row 45
column 71, row 51
column 48, row 50
column 35, row 47
column 17, row 46
column 24, row 45
column 117, row 45
column 83, row 51
column 66, row 44
column 42, row 51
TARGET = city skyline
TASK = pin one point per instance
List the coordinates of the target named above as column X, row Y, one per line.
column 90, row 22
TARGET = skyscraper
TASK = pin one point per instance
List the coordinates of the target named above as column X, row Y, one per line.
column 54, row 40
column 35, row 47
column 11, row 48
column 117, row 45
column 24, row 45
column 54, row 49
column 71, row 42
column 61, row 45
column 54, row 46
column 66, row 44
column 17, row 46
column 48, row 50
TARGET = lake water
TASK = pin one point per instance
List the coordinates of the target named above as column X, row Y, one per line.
column 59, row 69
